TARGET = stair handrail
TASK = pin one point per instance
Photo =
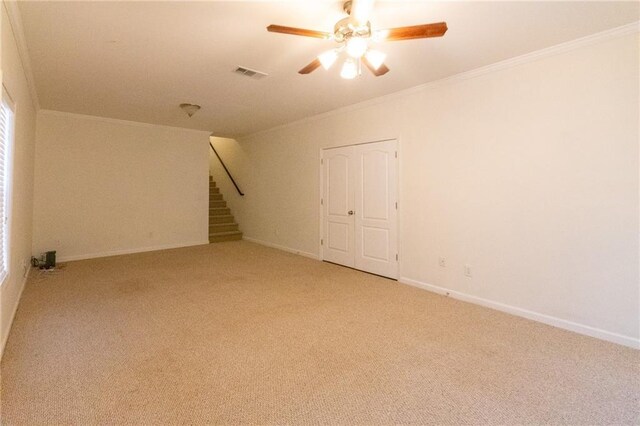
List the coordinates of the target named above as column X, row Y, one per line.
column 226, row 170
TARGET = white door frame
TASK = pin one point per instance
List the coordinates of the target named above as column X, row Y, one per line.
column 398, row 192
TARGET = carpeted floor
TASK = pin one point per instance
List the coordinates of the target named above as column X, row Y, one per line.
column 237, row 333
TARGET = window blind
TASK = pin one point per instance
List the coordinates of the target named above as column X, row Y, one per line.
column 6, row 120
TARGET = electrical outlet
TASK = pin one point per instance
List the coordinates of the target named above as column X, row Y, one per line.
column 442, row 262
column 467, row 270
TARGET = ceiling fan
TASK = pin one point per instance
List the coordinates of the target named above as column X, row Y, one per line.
column 354, row 34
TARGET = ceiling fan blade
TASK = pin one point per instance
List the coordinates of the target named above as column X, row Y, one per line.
column 361, row 11
column 382, row 69
column 311, row 67
column 298, row 31
column 417, row 31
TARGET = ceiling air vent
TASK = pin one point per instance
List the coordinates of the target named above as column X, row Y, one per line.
column 257, row 75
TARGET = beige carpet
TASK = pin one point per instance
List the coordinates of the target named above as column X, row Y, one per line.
column 236, row 333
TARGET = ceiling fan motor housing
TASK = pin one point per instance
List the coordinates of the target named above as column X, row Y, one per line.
column 347, row 28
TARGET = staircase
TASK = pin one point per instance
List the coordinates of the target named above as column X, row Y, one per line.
column 222, row 226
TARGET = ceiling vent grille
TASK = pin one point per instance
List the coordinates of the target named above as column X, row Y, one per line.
column 256, row 75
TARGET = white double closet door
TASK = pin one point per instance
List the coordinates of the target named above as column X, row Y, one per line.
column 359, row 207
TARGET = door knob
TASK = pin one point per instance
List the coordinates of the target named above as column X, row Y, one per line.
column 351, row 212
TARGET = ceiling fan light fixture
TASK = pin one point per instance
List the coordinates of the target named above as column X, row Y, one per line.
column 349, row 69
column 380, row 35
column 357, row 46
column 190, row 109
column 353, row 34
column 328, row 58
column 375, row 58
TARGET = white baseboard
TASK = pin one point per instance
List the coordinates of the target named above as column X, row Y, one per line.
column 620, row 339
column 283, row 248
column 129, row 251
column 13, row 312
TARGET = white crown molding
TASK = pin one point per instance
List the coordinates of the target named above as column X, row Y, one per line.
column 592, row 39
column 206, row 133
column 629, row 341
column 15, row 20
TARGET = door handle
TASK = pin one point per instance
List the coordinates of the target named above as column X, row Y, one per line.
column 351, row 212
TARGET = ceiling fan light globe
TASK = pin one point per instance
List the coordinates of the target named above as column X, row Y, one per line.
column 375, row 58
column 349, row 70
column 328, row 58
column 357, row 46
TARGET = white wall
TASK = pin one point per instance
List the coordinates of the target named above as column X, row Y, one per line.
column 528, row 171
column 13, row 78
column 110, row 187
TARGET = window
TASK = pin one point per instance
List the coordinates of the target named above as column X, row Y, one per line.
column 6, row 144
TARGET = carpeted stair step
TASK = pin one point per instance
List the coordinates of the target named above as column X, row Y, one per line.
column 225, row 236
column 222, row 226
column 217, row 203
column 215, row 211
column 220, row 218
column 215, row 228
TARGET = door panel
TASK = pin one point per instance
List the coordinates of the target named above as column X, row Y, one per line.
column 338, row 237
column 375, row 244
column 375, row 185
column 338, row 190
column 376, row 214
column 338, row 225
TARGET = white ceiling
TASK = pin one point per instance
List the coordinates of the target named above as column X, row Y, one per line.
column 139, row 60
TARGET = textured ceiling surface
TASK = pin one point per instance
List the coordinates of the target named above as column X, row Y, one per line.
column 139, row 60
